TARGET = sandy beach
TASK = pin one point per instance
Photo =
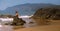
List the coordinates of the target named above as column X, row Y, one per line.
column 41, row 28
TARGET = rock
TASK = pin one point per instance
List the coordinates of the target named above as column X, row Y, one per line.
column 18, row 21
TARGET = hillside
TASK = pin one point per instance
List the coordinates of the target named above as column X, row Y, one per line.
column 25, row 9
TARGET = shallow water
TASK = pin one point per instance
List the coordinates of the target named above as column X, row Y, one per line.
column 6, row 28
column 10, row 28
column 29, row 22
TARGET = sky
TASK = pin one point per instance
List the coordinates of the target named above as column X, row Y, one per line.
column 9, row 3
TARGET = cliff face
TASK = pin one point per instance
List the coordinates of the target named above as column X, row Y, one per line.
column 43, row 15
column 48, row 13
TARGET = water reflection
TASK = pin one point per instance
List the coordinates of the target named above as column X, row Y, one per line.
column 6, row 28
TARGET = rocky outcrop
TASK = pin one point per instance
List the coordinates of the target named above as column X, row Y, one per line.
column 18, row 21
column 48, row 13
column 43, row 15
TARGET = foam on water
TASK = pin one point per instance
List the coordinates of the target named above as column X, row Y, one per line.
column 0, row 25
column 6, row 28
column 25, row 18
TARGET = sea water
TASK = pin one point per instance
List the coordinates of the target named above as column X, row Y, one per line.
column 10, row 28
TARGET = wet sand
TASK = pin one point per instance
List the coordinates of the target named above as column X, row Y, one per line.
column 54, row 26
column 41, row 28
